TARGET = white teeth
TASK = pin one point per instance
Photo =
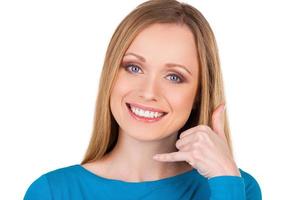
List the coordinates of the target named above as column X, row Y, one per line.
column 145, row 113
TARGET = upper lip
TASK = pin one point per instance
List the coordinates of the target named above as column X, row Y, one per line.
column 146, row 107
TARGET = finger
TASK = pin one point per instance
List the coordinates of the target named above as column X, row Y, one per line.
column 218, row 119
column 173, row 157
column 186, row 147
column 188, row 131
column 194, row 129
column 185, row 140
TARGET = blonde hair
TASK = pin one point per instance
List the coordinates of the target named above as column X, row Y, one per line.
column 210, row 88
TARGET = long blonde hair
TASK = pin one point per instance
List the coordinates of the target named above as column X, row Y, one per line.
column 210, row 85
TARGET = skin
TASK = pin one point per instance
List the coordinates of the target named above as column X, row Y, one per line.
column 205, row 149
column 153, row 84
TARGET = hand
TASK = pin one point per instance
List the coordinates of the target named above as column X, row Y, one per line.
column 205, row 149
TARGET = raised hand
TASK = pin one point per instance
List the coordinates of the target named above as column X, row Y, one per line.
column 205, row 149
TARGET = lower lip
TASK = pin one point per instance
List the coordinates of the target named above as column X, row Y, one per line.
column 143, row 119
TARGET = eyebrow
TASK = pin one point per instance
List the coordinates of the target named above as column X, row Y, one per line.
column 167, row 64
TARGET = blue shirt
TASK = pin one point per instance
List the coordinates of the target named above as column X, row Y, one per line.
column 77, row 183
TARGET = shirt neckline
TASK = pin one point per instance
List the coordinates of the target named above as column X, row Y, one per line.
column 176, row 178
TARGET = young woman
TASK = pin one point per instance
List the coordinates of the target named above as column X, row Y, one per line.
column 161, row 93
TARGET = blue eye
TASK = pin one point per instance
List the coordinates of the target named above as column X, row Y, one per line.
column 179, row 80
column 132, row 68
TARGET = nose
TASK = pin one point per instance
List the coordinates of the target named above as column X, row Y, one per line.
column 149, row 89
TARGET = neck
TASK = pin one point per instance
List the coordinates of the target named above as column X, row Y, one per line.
column 131, row 159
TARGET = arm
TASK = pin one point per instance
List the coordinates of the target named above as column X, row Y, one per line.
column 227, row 188
column 234, row 187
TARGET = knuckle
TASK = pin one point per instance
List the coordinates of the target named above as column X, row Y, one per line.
column 208, row 129
column 205, row 128
column 200, row 136
column 195, row 145
column 186, row 148
column 195, row 154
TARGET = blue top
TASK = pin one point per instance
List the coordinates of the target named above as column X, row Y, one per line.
column 77, row 183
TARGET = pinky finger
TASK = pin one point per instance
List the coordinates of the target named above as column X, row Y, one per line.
column 174, row 156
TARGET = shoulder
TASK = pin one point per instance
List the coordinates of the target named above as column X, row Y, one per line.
column 252, row 186
column 62, row 174
column 41, row 187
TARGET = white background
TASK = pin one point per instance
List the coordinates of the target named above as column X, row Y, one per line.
column 51, row 54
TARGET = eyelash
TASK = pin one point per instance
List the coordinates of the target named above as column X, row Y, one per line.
column 180, row 78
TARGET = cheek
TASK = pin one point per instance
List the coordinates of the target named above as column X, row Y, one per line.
column 181, row 100
column 122, row 85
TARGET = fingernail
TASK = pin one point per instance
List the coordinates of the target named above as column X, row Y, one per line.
column 156, row 156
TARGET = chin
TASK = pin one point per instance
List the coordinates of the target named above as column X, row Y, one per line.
column 142, row 135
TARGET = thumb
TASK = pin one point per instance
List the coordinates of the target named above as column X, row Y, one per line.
column 218, row 120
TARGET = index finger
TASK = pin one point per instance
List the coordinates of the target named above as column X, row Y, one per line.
column 193, row 129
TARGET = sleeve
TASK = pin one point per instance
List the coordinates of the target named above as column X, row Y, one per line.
column 38, row 190
column 253, row 191
column 234, row 187
column 227, row 188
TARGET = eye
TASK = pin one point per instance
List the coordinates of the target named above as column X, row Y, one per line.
column 177, row 78
column 133, row 68
column 130, row 66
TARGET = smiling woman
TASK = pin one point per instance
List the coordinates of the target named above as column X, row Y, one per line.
column 152, row 80
column 160, row 126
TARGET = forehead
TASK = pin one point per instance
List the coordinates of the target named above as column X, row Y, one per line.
column 161, row 43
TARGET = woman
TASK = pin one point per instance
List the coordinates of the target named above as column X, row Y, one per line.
column 160, row 127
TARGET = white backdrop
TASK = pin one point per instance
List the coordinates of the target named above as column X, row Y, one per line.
column 51, row 53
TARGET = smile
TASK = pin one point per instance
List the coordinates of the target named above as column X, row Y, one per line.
column 144, row 115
